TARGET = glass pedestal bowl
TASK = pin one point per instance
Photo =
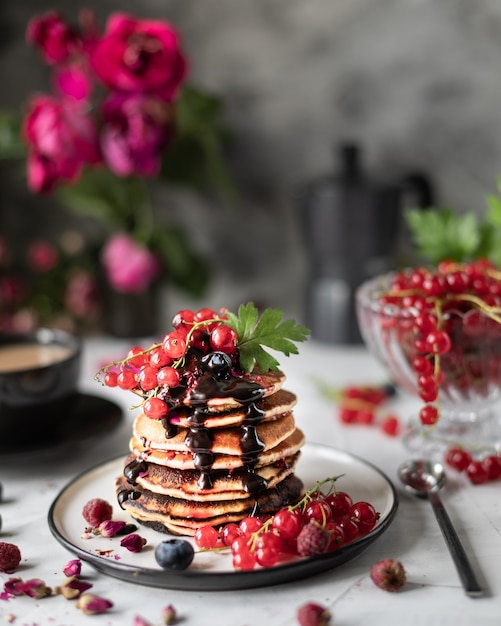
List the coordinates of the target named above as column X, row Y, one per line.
column 469, row 389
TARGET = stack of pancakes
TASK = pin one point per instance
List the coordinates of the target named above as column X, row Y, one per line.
column 227, row 449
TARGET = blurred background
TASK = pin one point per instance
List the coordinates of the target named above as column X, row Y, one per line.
column 415, row 84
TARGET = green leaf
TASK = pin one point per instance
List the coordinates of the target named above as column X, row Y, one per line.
column 11, row 144
column 267, row 330
column 442, row 234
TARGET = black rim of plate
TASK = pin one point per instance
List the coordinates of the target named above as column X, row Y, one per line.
column 191, row 580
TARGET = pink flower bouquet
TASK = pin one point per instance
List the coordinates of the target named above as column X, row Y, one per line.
column 119, row 117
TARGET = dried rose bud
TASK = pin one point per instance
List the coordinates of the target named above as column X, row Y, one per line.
column 133, row 542
column 73, row 568
column 109, row 528
column 92, row 605
column 73, row 587
column 35, row 588
column 388, row 574
column 12, row 587
column 139, row 621
column 169, row 615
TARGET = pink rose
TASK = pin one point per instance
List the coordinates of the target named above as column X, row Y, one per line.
column 139, row 55
column 73, row 80
column 129, row 267
column 53, row 37
column 61, row 137
column 136, row 129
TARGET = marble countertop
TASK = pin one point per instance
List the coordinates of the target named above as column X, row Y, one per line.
column 432, row 596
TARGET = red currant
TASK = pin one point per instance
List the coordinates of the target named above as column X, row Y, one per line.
column 318, row 510
column 127, row 379
column 364, row 515
column 288, row 522
column 428, row 415
column 147, row 377
column 458, row 458
column 168, row 377
column 206, row 537
column 155, row 408
column 136, row 357
column 174, row 344
column 268, row 548
column 477, row 473
column 223, row 338
column 340, row 504
column 111, row 379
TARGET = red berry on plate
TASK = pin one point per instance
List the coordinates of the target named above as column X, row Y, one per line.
column 312, row 540
column 391, row 425
column 477, row 473
column 96, row 511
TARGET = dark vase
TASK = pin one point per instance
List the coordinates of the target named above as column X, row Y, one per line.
column 128, row 315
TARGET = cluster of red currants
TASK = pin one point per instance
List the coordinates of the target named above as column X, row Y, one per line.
column 444, row 313
column 478, row 470
column 319, row 523
column 158, row 367
column 360, row 405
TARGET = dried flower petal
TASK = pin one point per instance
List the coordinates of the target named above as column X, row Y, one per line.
column 11, row 587
column 169, row 615
column 139, row 621
column 73, row 568
column 133, row 542
column 73, row 587
column 35, row 588
column 109, row 528
column 91, row 604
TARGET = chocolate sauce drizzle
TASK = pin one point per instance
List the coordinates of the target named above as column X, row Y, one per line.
column 199, row 438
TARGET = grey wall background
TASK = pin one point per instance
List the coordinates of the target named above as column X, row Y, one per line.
column 416, row 82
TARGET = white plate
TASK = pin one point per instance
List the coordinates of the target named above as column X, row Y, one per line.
column 214, row 570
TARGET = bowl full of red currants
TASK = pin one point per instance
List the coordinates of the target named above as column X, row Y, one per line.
column 437, row 331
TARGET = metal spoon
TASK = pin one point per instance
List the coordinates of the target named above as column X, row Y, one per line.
column 425, row 478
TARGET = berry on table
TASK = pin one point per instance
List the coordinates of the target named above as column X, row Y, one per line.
column 388, row 574
column 10, row 557
column 312, row 614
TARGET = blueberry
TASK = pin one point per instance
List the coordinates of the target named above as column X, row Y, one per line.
column 217, row 363
column 174, row 554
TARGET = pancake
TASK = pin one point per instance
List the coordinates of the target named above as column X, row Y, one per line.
column 225, row 484
column 231, row 441
column 182, row 517
column 272, row 406
column 185, row 460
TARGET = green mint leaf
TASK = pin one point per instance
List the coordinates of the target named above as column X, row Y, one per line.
column 268, row 330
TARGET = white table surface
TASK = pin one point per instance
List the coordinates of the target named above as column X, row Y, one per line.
column 433, row 595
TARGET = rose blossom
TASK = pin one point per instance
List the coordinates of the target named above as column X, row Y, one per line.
column 136, row 128
column 53, row 37
column 139, row 55
column 130, row 267
column 61, row 138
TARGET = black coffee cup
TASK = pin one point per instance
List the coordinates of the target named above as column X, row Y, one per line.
column 39, row 374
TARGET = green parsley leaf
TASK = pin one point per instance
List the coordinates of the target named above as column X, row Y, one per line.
column 442, row 234
column 268, row 330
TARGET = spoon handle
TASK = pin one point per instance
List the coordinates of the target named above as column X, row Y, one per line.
column 461, row 561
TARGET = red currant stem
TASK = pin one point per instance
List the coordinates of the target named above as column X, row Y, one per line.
column 309, row 495
column 195, row 326
column 493, row 312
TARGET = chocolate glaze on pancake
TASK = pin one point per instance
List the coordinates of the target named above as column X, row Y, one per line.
column 227, row 448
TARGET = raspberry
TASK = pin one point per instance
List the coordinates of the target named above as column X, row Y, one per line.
column 312, row 539
column 311, row 614
column 388, row 574
column 10, row 557
column 97, row 511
